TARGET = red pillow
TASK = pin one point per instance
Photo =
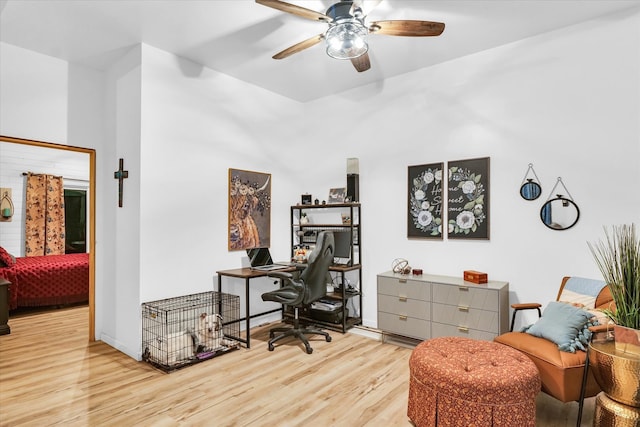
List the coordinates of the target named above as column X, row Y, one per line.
column 6, row 259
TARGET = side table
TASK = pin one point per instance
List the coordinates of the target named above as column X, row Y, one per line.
column 618, row 374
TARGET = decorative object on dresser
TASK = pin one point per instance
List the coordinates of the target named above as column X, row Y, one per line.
column 475, row 277
column 429, row 306
column 400, row 266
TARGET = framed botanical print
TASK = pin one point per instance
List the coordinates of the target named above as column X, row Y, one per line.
column 424, row 213
column 468, row 199
column 249, row 210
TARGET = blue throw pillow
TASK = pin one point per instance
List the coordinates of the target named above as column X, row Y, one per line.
column 565, row 325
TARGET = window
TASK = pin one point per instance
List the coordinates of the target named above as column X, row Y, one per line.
column 75, row 211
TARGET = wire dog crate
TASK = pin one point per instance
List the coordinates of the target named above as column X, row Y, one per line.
column 181, row 331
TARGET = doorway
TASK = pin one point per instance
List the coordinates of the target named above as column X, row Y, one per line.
column 90, row 203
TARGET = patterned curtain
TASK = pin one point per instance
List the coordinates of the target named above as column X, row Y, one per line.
column 44, row 220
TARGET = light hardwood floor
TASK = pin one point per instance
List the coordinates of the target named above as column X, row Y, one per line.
column 50, row 374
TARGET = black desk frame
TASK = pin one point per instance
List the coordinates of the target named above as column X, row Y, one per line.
column 247, row 274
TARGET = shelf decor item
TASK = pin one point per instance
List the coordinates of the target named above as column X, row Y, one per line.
column 618, row 258
column 337, row 195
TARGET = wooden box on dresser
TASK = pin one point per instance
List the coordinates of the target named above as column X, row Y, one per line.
column 429, row 306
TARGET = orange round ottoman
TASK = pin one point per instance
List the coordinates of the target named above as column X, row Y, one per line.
column 463, row 382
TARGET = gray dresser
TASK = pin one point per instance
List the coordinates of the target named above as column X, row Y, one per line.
column 430, row 306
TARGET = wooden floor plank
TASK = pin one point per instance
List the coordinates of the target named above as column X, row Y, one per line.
column 50, row 374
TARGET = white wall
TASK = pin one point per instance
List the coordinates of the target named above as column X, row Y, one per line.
column 567, row 101
column 196, row 124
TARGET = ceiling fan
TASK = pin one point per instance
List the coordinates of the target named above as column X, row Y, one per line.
column 346, row 37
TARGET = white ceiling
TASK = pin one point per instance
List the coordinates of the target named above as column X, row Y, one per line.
column 239, row 37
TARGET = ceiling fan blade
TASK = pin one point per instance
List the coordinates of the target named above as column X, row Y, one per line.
column 361, row 63
column 407, row 28
column 298, row 47
column 295, row 10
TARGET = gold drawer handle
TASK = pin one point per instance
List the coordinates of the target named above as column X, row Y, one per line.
column 463, row 329
column 402, row 299
column 462, row 308
column 463, row 288
column 402, row 317
column 402, row 280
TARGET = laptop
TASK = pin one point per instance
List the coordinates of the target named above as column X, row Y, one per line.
column 260, row 259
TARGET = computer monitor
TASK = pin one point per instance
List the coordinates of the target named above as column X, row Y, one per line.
column 342, row 240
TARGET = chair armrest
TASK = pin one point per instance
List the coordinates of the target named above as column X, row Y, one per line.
column 524, row 306
column 284, row 275
column 599, row 328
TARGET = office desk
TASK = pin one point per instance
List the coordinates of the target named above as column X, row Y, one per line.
column 247, row 274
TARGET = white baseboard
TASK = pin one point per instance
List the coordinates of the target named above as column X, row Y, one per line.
column 378, row 335
column 365, row 331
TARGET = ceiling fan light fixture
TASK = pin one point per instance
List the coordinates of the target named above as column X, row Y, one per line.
column 346, row 39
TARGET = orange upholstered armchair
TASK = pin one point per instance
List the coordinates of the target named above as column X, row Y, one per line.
column 561, row 372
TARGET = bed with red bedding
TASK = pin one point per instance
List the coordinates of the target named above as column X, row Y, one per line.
column 48, row 280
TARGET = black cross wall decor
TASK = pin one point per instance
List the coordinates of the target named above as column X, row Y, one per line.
column 120, row 175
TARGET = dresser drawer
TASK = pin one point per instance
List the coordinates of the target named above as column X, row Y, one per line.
column 404, row 306
column 404, row 325
column 442, row 330
column 467, row 296
column 407, row 288
column 483, row 320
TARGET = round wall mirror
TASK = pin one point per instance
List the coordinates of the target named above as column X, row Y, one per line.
column 559, row 213
column 530, row 190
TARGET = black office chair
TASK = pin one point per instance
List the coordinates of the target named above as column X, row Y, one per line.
column 297, row 292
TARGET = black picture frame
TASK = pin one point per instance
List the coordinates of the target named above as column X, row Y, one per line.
column 424, row 196
column 468, row 199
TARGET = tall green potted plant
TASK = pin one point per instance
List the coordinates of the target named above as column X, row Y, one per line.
column 618, row 258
